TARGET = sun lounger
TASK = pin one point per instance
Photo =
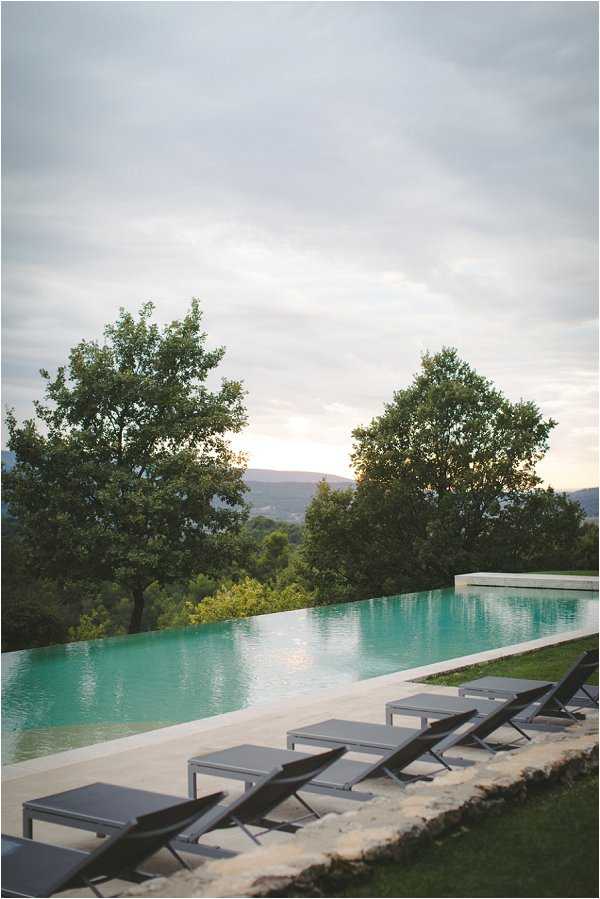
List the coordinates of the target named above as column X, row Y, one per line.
column 360, row 736
column 247, row 762
column 515, row 712
column 103, row 808
column 571, row 690
column 380, row 739
column 30, row 868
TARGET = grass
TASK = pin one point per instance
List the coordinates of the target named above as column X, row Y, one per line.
column 546, row 847
column 549, row 664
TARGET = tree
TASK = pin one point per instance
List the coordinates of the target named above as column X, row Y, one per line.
column 587, row 547
column 274, row 556
column 448, row 457
column 330, row 546
column 259, row 526
column 536, row 531
column 451, row 434
column 131, row 477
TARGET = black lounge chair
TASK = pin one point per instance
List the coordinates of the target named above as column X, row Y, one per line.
column 103, row 808
column 380, row 739
column 30, row 868
column 360, row 736
column 515, row 712
column 571, row 690
column 248, row 762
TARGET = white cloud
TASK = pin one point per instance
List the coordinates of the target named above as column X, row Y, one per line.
column 344, row 185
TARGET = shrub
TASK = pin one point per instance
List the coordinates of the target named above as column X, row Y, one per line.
column 92, row 625
column 246, row 598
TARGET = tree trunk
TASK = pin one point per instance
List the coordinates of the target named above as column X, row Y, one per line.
column 135, row 623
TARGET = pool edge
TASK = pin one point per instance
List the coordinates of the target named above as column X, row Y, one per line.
column 171, row 732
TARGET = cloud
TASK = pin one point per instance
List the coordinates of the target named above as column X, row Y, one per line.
column 344, row 185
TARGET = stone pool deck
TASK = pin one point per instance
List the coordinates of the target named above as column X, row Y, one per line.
column 157, row 760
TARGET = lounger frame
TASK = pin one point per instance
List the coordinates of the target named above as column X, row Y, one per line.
column 117, row 858
column 103, row 827
column 244, row 762
column 408, row 739
column 498, row 714
column 248, row 776
column 572, row 682
column 277, row 785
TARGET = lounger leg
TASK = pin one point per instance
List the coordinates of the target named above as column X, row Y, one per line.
column 389, row 717
column 589, row 696
column 192, row 783
column 408, row 778
column 181, row 861
column 291, row 743
column 518, row 729
column 280, row 826
column 485, row 745
column 246, row 831
column 27, row 824
column 308, row 807
column 439, row 759
column 91, row 887
column 564, row 709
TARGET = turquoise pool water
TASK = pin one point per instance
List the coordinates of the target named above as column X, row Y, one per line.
column 82, row 693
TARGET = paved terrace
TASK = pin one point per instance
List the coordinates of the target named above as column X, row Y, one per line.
column 157, row 760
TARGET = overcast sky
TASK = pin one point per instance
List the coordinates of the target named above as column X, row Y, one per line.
column 344, row 185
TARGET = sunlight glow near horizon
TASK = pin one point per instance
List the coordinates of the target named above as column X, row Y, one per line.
column 286, row 454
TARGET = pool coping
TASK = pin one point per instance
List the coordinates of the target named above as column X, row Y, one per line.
column 164, row 734
column 536, row 581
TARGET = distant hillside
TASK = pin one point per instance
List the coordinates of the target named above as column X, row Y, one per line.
column 288, row 501
column 284, row 495
column 272, row 476
column 285, row 501
column 587, row 499
column 254, row 475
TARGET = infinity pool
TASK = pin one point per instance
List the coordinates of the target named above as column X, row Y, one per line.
column 77, row 694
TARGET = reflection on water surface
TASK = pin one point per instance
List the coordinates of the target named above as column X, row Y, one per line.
column 82, row 693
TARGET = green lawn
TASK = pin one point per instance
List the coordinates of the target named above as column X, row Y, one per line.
column 546, row 847
column 541, row 664
column 549, row 664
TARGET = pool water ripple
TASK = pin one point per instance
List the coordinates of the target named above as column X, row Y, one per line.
column 82, row 693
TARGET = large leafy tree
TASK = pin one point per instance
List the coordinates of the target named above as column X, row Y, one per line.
column 451, row 434
column 537, row 531
column 127, row 473
column 443, row 476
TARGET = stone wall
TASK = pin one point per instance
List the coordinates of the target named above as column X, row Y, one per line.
column 387, row 827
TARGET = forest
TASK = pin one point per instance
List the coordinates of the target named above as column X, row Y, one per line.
column 126, row 507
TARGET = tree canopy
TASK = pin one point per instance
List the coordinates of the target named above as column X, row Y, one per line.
column 446, row 478
column 126, row 473
column 452, row 432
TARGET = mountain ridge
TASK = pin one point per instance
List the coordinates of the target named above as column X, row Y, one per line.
column 276, row 476
column 284, row 495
